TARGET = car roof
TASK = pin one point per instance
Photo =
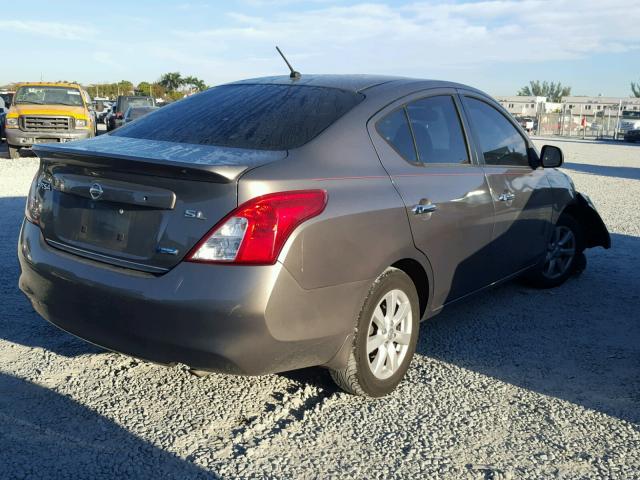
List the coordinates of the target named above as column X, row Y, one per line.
column 48, row 84
column 355, row 83
column 352, row 82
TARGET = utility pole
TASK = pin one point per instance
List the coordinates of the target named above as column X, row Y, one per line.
column 615, row 133
column 539, row 106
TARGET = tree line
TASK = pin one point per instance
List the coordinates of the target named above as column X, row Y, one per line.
column 170, row 86
column 555, row 91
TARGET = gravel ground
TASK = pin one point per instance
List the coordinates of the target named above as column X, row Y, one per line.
column 515, row 383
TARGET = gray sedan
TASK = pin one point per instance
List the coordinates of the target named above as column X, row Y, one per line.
column 281, row 223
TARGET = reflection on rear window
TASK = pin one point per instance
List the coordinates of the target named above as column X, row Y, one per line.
column 263, row 117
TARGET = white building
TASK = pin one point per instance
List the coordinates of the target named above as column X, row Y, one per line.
column 590, row 106
column 523, row 106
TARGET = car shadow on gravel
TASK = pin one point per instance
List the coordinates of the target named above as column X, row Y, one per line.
column 18, row 321
column 632, row 173
column 48, row 435
column 579, row 342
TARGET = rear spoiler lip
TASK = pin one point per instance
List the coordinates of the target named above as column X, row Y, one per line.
column 146, row 165
column 164, row 168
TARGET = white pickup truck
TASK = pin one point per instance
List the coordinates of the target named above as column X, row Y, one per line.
column 629, row 120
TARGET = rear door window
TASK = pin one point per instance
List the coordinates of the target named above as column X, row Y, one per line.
column 437, row 130
column 262, row 117
column 500, row 141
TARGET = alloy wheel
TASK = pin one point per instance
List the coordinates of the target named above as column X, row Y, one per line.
column 560, row 252
column 389, row 335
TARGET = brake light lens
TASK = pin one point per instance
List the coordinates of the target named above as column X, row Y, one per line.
column 33, row 207
column 255, row 232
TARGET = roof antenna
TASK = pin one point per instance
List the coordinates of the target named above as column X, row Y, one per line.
column 294, row 75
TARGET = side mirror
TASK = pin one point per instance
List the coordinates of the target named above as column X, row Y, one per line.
column 551, row 157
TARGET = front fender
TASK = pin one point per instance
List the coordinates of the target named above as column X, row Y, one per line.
column 584, row 211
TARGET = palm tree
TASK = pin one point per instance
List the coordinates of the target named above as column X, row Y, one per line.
column 553, row 91
column 199, row 85
column 171, row 81
column 195, row 83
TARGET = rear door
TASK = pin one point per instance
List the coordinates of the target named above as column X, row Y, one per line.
column 522, row 194
column 421, row 143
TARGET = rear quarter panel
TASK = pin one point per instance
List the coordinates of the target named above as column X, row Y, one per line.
column 364, row 227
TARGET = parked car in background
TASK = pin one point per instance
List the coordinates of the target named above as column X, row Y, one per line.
column 528, row 123
column 629, row 120
column 7, row 97
column 135, row 112
column 102, row 108
column 48, row 112
column 279, row 223
column 632, row 136
column 3, row 115
column 123, row 103
column 111, row 111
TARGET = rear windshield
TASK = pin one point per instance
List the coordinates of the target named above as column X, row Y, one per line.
column 126, row 102
column 261, row 117
column 137, row 112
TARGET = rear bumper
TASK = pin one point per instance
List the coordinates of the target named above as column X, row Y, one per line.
column 20, row 138
column 240, row 320
column 632, row 136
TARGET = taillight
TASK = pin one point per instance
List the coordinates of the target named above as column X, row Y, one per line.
column 33, row 207
column 255, row 232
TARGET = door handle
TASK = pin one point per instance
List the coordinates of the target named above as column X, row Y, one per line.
column 506, row 197
column 421, row 209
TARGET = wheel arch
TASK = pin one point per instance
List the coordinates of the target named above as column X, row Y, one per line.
column 421, row 274
column 420, row 278
column 595, row 232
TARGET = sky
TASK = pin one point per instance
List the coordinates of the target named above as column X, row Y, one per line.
column 497, row 46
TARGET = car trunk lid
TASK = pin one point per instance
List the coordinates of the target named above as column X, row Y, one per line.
column 139, row 204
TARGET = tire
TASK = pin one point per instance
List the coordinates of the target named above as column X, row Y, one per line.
column 14, row 152
column 567, row 264
column 358, row 376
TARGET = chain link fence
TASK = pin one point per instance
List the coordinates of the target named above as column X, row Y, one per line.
column 602, row 125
